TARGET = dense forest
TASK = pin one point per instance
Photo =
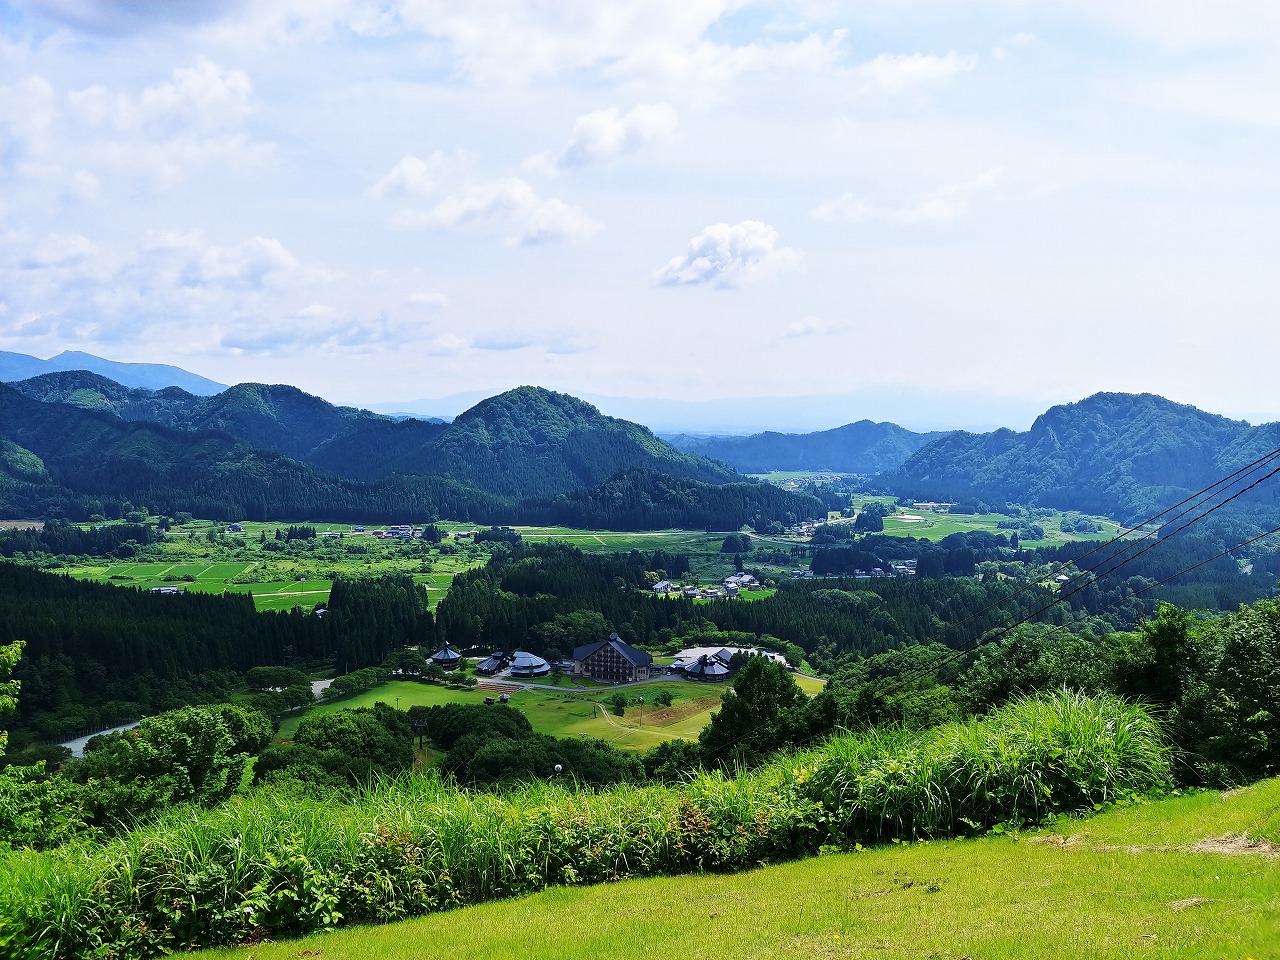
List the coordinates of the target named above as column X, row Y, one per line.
column 98, row 654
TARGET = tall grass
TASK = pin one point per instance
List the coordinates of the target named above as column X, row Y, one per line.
column 277, row 864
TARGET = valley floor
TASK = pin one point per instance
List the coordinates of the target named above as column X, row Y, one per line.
column 1191, row 876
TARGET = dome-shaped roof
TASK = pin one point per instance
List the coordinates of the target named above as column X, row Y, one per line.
column 528, row 664
column 707, row 668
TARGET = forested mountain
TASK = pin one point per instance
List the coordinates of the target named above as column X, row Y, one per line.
column 1124, row 455
column 863, row 447
column 92, row 461
column 538, row 454
column 527, row 442
column 535, row 442
column 269, row 417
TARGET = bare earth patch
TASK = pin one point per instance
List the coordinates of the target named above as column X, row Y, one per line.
column 1242, row 843
column 669, row 715
column 1179, row 905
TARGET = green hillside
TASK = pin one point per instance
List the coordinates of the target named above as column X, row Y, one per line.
column 1189, row 876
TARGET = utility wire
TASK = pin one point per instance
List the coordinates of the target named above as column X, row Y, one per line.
column 1123, row 537
column 1077, row 584
column 1151, row 586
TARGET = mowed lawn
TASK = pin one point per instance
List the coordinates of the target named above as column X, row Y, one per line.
column 568, row 712
column 1169, row 879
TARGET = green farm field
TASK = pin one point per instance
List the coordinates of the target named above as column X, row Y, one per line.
column 1192, row 876
column 274, row 584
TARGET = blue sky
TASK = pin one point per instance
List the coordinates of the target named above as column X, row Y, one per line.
column 695, row 200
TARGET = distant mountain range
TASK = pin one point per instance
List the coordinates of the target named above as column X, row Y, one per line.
column 70, row 437
column 151, row 376
column 863, row 447
column 919, row 409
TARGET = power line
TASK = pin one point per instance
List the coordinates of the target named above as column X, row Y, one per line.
column 1151, row 586
column 1084, row 579
column 1123, row 537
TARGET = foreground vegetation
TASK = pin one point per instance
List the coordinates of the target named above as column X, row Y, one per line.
column 1055, row 893
column 282, row 863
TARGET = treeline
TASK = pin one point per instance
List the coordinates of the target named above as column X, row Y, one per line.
column 954, row 555
column 1192, row 567
column 98, row 654
column 641, row 500
column 68, row 539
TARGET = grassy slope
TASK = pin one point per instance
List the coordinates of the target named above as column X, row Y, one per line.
column 1127, row 883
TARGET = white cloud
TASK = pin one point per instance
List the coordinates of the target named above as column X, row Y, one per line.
column 427, row 298
column 606, row 134
column 446, row 345
column 191, row 120
column 82, row 187
column 507, row 204
column 199, row 99
column 945, row 205
column 197, row 263
column 815, row 326
column 657, row 43
column 727, row 255
column 26, row 111
column 59, row 250
column 411, row 177
column 897, row 72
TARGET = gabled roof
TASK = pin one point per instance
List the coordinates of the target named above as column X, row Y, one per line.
column 633, row 656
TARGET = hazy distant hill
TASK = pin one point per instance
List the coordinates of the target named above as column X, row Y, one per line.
column 150, row 376
column 1126, row 455
column 862, row 447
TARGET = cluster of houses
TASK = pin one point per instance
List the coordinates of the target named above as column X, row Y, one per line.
column 902, row 568
column 731, row 587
